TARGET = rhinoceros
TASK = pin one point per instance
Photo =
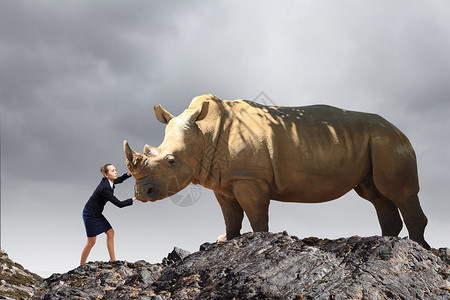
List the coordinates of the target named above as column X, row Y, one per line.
column 249, row 154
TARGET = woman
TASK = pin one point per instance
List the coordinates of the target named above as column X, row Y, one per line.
column 94, row 221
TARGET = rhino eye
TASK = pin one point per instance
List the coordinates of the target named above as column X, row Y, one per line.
column 170, row 160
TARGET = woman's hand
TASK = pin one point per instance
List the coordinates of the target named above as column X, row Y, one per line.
column 129, row 173
column 134, row 198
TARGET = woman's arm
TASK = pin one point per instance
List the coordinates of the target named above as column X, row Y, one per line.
column 122, row 178
column 109, row 196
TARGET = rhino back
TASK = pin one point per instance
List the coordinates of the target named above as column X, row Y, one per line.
column 311, row 151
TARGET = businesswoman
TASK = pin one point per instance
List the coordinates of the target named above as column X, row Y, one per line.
column 94, row 221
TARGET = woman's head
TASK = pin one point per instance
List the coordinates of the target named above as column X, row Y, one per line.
column 109, row 171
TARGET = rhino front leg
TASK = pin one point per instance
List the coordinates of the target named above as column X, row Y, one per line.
column 233, row 215
column 254, row 198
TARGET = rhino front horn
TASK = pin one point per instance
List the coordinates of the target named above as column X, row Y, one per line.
column 129, row 153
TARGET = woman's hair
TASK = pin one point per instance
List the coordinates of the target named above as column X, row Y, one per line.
column 104, row 169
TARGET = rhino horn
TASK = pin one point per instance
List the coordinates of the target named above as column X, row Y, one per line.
column 150, row 151
column 129, row 153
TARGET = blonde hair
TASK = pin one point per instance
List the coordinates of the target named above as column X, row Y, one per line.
column 104, row 169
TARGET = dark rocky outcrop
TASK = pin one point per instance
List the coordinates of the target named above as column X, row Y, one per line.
column 103, row 280
column 15, row 281
column 279, row 266
column 268, row 266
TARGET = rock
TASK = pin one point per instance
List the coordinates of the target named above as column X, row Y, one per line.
column 278, row 266
column 16, row 282
column 93, row 280
column 443, row 253
column 176, row 255
column 267, row 266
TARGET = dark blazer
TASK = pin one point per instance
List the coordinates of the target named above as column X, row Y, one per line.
column 104, row 193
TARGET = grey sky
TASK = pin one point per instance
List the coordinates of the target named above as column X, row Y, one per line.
column 79, row 77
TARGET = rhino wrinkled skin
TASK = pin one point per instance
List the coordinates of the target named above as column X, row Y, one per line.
column 249, row 153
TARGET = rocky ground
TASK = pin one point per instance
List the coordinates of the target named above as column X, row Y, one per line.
column 15, row 281
column 267, row 266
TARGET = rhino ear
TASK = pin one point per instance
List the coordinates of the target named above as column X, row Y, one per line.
column 200, row 112
column 162, row 115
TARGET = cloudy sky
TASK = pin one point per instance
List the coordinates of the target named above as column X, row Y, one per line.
column 79, row 77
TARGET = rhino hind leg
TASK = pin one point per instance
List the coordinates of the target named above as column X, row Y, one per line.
column 395, row 177
column 415, row 219
column 387, row 212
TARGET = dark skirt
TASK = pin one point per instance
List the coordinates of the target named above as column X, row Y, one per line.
column 95, row 223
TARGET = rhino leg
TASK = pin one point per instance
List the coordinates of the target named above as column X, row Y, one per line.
column 233, row 215
column 387, row 212
column 415, row 219
column 395, row 177
column 254, row 198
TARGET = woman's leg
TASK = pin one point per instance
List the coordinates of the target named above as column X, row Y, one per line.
column 87, row 249
column 110, row 244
